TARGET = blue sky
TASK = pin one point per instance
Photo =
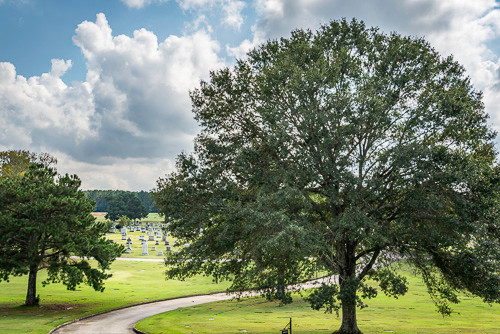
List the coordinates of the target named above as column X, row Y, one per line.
column 39, row 30
column 103, row 85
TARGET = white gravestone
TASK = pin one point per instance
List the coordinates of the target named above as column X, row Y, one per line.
column 145, row 249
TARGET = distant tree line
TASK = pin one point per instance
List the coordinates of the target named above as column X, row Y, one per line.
column 133, row 204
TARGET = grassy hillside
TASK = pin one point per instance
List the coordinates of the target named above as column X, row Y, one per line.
column 412, row 313
column 132, row 282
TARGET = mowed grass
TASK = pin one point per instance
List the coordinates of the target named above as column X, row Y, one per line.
column 412, row 313
column 132, row 282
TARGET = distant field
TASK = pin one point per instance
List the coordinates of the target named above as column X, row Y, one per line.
column 99, row 216
column 132, row 282
column 412, row 313
column 151, row 218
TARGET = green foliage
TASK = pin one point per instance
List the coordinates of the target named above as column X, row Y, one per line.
column 124, row 221
column 334, row 150
column 325, row 297
column 101, row 197
column 392, row 284
column 15, row 163
column 45, row 219
column 109, row 224
column 125, row 204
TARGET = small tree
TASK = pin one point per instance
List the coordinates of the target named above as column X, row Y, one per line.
column 124, row 221
column 334, row 150
column 44, row 220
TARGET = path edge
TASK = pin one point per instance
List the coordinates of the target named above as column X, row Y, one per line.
column 128, row 306
column 138, row 331
column 149, row 302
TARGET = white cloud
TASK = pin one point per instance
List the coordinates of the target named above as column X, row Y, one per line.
column 128, row 173
column 133, row 107
column 140, row 3
column 231, row 8
column 240, row 51
column 194, row 4
column 232, row 11
column 122, row 126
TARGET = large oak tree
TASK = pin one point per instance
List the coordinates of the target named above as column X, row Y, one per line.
column 44, row 220
column 333, row 151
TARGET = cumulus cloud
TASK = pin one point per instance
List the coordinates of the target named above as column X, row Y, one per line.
column 133, row 107
column 123, row 125
column 43, row 104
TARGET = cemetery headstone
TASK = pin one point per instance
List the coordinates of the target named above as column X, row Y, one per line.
column 145, row 249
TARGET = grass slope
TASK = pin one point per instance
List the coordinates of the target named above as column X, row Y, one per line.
column 132, row 283
column 412, row 313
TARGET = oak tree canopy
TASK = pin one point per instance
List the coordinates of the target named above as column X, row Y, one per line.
column 335, row 150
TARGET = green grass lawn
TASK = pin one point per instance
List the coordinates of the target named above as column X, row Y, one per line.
column 153, row 218
column 412, row 313
column 132, row 282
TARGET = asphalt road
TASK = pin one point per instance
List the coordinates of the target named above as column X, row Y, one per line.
column 123, row 320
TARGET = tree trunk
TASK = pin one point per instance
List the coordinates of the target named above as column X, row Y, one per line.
column 349, row 322
column 31, row 299
column 348, row 288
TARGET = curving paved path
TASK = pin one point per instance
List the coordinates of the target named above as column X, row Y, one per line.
column 123, row 320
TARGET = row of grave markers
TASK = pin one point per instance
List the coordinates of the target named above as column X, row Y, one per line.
column 149, row 229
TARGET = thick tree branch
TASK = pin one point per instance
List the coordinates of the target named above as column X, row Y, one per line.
column 370, row 264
